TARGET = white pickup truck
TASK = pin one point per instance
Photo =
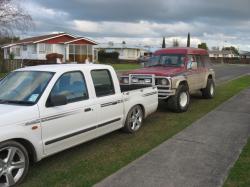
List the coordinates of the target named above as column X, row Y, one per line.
column 47, row 109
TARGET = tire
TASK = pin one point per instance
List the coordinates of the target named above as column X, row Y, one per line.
column 14, row 163
column 209, row 91
column 180, row 101
column 134, row 119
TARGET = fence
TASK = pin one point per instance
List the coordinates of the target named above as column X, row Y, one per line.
column 10, row 65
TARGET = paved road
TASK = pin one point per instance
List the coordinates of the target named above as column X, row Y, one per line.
column 227, row 72
column 200, row 155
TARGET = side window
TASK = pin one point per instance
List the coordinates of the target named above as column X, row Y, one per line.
column 103, row 82
column 198, row 60
column 192, row 62
column 72, row 85
column 206, row 61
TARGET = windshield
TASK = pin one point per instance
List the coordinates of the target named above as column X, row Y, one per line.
column 166, row 60
column 23, row 87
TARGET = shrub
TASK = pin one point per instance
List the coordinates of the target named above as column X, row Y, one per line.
column 54, row 56
column 108, row 56
column 11, row 56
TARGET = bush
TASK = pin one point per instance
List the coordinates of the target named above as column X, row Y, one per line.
column 11, row 56
column 108, row 57
column 54, row 56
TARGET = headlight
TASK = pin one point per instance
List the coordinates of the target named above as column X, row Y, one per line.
column 135, row 80
column 147, row 80
column 164, row 82
column 125, row 80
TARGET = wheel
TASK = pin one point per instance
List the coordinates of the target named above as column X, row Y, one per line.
column 209, row 91
column 14, row 163
column 180, row 101
column 133, row 120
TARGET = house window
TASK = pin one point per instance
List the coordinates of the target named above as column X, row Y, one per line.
column 84, row 49
column 25, row 48
column 71, row 49
column 34, row 49
column 41, row 48
column 90, row 48
column 79, row 53
column 77, row 49
column 16, row 51
column 48, row 48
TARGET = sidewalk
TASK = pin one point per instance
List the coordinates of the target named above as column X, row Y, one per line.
column 199, row 156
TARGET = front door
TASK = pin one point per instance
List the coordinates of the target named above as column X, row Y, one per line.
column 67, row 125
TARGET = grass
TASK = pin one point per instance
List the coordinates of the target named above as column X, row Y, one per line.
column 2, row 74
column 239, row 175
column 91, row 162
column 123, row 67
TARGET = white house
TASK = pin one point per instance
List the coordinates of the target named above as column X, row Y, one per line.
column 221, row 54
column 245, row 54
column 126, row 52
column 72, row 48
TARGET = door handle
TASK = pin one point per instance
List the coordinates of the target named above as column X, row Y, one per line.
column 87, row 109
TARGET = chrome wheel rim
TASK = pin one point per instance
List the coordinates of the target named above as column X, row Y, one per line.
column 12, row 165
column 183, row 99
column 211, row 90
column 135, row 120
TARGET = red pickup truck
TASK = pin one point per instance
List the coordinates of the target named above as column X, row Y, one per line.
column 177, row 73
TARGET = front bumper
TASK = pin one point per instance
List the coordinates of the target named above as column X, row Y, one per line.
column 164, row 91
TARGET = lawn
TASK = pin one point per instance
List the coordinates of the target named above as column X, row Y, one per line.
column 123, row 67
column 91, row 162
column 2, row 74
column 240, row 174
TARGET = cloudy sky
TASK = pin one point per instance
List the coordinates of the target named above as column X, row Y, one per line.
column 145, row 22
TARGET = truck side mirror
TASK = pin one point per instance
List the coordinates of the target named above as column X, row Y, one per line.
column 58, row 100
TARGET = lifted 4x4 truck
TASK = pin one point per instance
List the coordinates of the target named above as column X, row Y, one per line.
column 50, row 108
column 177, row 73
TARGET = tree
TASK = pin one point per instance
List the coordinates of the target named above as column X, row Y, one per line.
column 175, row 43
column 163, row 43
column 203, row 46
column 188, row 40
column 13, row 17
column 231, row 48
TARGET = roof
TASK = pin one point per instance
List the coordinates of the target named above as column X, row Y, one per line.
column 119, row 46
column 63, row 67
column 245, row 54
column 37, row 39
column 80, row 38
column 181, row 50
column 223, row 52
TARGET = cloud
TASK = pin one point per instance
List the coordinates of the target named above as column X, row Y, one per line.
column 211, row 21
